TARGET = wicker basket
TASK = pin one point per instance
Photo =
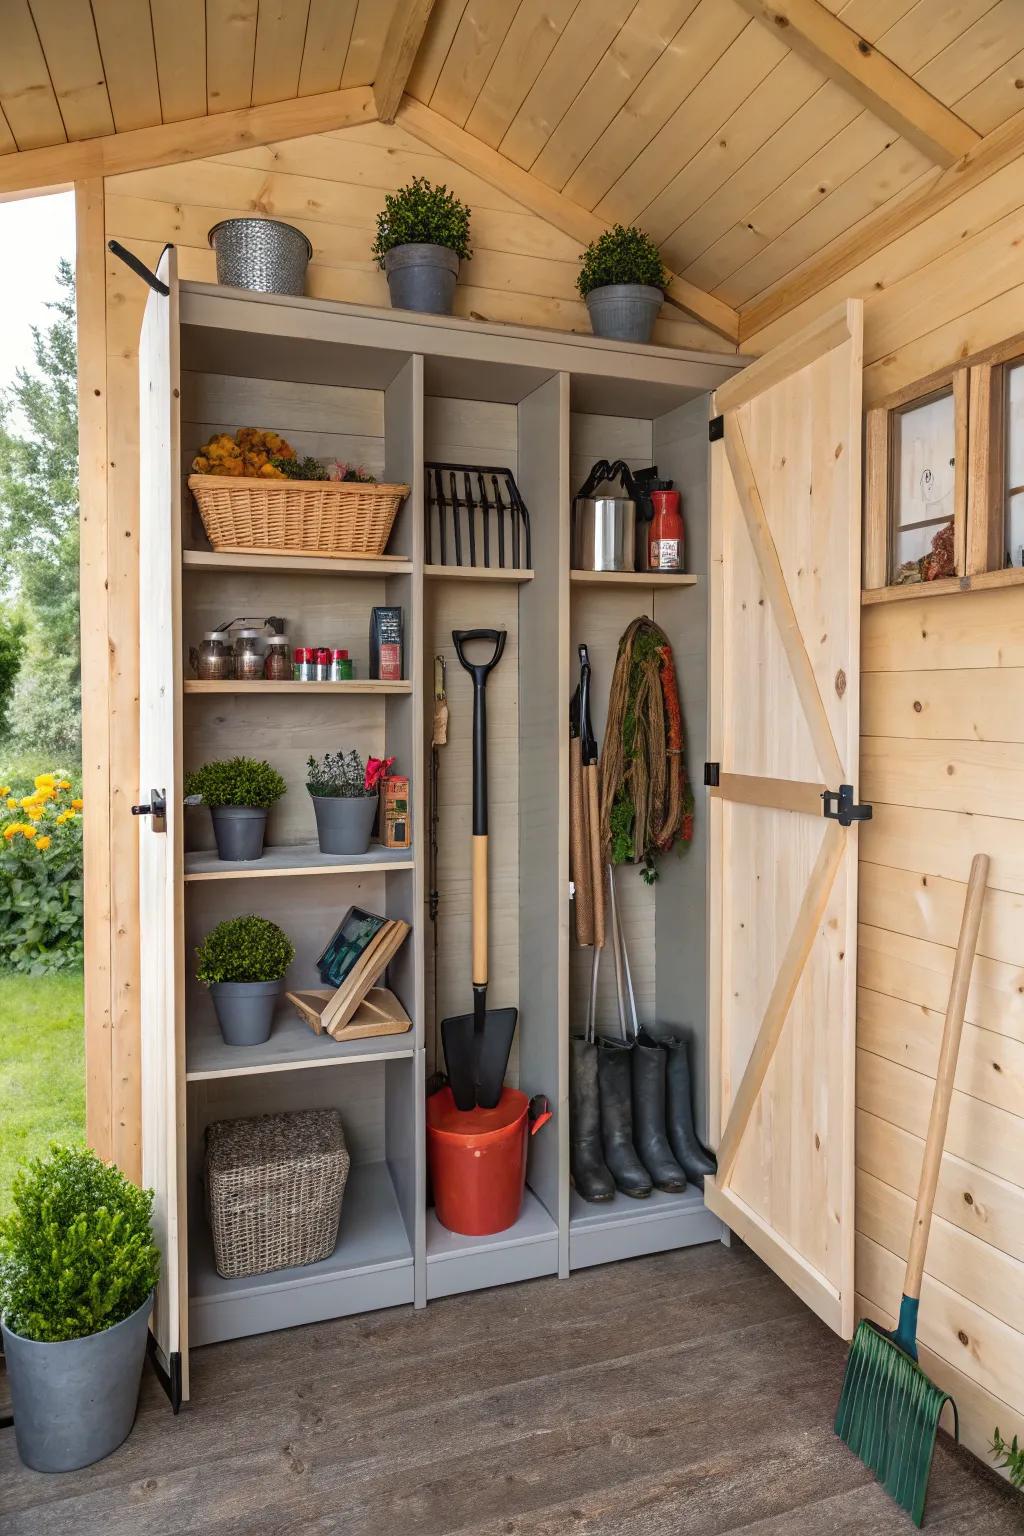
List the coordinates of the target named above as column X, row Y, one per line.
column 302, row 517
column 274, row 1186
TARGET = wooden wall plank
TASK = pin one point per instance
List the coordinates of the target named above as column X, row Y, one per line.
column 179, row 35
column 947, row 633
column 230, row 51
column 943, row 843
column 280, row 38
column 961, row 704
column 990, row 1068
column 366, row 45
column 26, row 93
column 944, row 775
column 917, row 971
column 328, row 34
column 473, row 51
column 928, row 906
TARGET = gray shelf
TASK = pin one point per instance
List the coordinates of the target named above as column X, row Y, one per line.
column 292, row 1046
column 623, row 1228
column 457, row 1263
column 370, row 1268
column 294, row 859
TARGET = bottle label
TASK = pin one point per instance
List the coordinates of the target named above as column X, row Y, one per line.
column 665, row 554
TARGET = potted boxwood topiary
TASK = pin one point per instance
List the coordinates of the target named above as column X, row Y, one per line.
column 422, row 234
column 622, row 279
column 344, row 795
column 77, row 1269
column 239, row 793
column 243, row 961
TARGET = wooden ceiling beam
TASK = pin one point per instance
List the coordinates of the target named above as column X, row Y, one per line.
column 573, row 220
column 876, row 82
column 896, row 218
column 401, row 45
column 34, row 170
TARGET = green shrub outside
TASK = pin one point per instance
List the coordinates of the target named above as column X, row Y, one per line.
column 41, row 891
column 236, row 781
column 244, row 949
column 422, row 214
column 621, row 255
column 76, row 1251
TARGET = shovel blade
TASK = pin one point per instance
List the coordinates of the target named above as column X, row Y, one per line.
column 469, row 1087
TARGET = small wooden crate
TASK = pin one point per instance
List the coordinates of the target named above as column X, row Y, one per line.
column 300, row 517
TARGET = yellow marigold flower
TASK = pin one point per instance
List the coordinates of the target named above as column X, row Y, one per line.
column 64, row 784
column 12, row 805
column 45, row 780
column 12, row 830
column 42, row 842
column 26, row 801
column 34, row 812
column 5, row 789
column 27, row 831
column 76, row 805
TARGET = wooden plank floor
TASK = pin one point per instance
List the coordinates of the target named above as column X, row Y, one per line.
column 688, row 1394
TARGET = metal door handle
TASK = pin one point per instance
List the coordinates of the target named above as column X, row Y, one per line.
column 157, row 808
column 838, row 805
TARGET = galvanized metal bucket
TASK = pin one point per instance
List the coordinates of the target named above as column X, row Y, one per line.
column 261, row 254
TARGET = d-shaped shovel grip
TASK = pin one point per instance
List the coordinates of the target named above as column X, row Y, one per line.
column 479, row 671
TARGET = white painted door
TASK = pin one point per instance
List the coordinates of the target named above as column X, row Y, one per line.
column 783, row 729
column 160, row 837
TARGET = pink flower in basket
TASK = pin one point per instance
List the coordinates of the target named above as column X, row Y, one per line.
column 377, row 768
column 358, row 472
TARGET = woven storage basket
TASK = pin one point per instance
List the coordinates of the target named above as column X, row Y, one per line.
column 303, row 517
column 274, row 1186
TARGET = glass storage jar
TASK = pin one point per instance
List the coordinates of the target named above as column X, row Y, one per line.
column 278, row 663
column 250, row 649
column 212, row 660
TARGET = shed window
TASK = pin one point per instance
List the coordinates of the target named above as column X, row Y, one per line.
column 924, row 441
column 1013, row 540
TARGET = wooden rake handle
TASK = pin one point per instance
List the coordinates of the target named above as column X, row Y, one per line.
column 950, row 1048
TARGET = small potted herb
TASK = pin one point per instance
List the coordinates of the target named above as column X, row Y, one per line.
column 422, row 235
column 239, row 793
column 77, row 1269
column 344, row 795
column 243, row 961
column 623, row 281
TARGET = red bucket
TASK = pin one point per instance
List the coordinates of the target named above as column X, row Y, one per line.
column 478, row 1160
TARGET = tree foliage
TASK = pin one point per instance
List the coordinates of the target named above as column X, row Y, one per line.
column 39, row 531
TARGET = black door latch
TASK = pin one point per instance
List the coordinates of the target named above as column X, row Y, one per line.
column 157, row 808
column 838, row 805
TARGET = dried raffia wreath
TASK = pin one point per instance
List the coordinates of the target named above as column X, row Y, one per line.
column 646, row 803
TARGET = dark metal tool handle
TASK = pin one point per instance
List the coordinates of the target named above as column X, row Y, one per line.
column 588, row 742
column 139, row 267
column 479, row 672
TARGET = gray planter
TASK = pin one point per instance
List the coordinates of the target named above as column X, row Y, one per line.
column 624, row 311
column 422, row 277
column 344, row 825
column 245, row 1010
column 239, row 830
column 75, row 1402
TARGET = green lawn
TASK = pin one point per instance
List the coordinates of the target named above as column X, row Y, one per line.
column 42, row 1067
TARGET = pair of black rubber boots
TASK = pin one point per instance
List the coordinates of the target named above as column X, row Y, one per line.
column 631, row 1118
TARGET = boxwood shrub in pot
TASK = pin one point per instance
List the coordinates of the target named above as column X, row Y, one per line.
column 77, row 1269
column 422, row 235
column 345, row 798
column 243, row 961
column 239, row 792
column 622, row 279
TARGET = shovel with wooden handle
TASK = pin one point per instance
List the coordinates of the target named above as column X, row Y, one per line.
column 477, row 1045
column 588, row 759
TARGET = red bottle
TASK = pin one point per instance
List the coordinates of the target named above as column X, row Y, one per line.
column 665, row 540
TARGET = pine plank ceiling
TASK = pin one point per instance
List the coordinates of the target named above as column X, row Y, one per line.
column 734, row 131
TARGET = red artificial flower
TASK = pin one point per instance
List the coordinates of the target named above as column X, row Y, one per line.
column 377, row 768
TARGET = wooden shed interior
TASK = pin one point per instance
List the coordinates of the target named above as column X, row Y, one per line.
column 788, row 158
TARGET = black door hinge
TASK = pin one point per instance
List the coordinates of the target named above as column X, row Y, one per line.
column 711, row 775
column 716, row 429
column 169, row 1379
column 838, row 805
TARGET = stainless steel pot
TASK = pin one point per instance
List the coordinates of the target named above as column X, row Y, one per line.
column 604, row 520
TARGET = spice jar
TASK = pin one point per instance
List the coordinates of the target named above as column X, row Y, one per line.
column 341, row 667
column 322, row 663
column 212, row 660
column 666, row 532
column 249, row 655
column 304, row 666
column 278, row 663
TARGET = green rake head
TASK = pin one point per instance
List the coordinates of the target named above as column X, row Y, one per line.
column 889, row 1411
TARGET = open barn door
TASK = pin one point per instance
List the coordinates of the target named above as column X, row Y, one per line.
column 783, row 731
column 160, row 829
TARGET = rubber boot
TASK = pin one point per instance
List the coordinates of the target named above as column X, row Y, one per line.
column 590, row 1175
column 649, row 1135
column 679, row 1117
column 614, row 1078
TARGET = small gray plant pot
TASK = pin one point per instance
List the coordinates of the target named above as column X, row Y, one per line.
column 624, row 311
column 245, row 1010
column 422, row 277
column 239, row 830
column 75, row 1402
column 344, row 824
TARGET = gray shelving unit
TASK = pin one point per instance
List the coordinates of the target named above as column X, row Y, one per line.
column 408, row 388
